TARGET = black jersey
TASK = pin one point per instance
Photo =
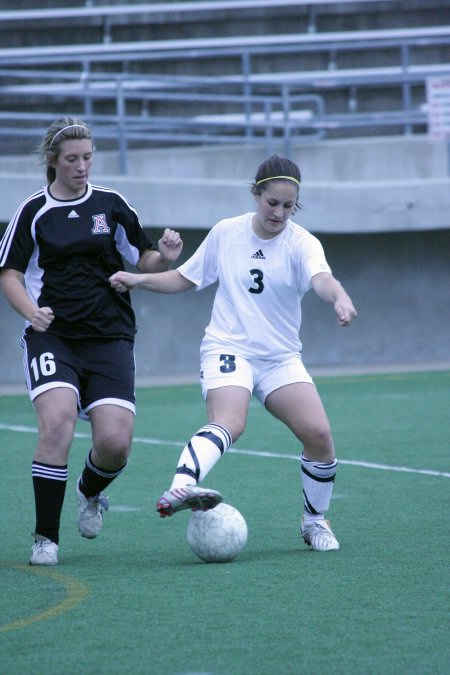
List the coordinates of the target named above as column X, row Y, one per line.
column 67, row 250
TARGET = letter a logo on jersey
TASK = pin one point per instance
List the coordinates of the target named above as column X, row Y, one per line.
column 100, row 225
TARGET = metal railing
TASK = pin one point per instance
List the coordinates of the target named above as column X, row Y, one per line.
column 110, row 15
column 286, row 115
column 243, row 47
column 246, row 106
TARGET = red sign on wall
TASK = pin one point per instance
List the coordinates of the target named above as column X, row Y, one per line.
column 438, row 100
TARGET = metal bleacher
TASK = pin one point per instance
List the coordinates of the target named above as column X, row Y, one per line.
column 253, row 89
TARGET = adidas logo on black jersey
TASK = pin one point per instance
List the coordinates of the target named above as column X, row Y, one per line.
column 73, row 214
column 259, row 255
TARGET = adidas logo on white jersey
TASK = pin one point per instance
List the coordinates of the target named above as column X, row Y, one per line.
column 73, row 214
column 259, row 255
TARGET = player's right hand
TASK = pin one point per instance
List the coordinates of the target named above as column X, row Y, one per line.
column 42, row 319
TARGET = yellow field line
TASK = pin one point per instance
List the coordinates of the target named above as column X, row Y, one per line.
column 76, row 592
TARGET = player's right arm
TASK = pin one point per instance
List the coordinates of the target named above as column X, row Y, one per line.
column 12, row 285
column 159, row 282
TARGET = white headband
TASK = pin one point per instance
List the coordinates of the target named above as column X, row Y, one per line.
column 69, row 126
column 263, row 180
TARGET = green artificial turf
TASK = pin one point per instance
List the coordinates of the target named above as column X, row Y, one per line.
column 136, row 600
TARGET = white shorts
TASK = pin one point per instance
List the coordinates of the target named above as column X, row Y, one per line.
column 260, row 377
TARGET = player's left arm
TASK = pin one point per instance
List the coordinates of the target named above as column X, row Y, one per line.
column 169, row 248
column 331, row 290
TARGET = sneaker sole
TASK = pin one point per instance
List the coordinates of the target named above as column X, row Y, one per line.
column 204, row 502
column 324, row 550
column 88, row 536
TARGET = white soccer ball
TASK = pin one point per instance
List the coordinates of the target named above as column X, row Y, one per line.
column 217, row 535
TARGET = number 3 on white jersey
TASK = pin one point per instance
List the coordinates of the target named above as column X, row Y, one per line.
column 257, row 280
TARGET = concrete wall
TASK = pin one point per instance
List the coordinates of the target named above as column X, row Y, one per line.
column 381, row 209
column 399, row 282
column 364, row 185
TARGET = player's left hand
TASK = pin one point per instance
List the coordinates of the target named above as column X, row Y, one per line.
column 170, row 245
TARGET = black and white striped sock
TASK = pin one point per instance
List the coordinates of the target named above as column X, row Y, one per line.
column 200, row 454
column 317, row 479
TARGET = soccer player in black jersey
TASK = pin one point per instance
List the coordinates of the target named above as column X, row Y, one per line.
column 56, row 257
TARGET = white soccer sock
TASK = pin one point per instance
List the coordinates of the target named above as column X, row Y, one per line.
column 199, row 456
column 317, row 479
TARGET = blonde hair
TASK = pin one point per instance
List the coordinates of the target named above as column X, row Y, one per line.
column 63, row 129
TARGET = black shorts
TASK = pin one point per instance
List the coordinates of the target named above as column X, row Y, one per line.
column 99, row 371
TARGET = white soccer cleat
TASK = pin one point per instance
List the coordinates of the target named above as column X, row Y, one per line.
column 90, row 510
column 188, row 497
column 319, row 536
column 43, row 551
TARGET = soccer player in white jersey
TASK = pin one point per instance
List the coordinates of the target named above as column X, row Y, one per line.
column 56, row 257
column 264, row 263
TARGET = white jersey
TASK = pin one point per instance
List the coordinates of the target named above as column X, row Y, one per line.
column 257, row 307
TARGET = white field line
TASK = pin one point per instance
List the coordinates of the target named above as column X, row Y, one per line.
column 243, row 451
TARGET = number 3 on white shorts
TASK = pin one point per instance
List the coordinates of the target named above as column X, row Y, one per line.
column 228, row 363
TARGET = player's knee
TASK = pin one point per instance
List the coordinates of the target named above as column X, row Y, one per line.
column 56, row 430
column 234, row 427
column 114, row 449
column 319, row 437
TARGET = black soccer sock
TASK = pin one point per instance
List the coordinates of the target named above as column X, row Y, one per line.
column 49, row 483
column 94, row 479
